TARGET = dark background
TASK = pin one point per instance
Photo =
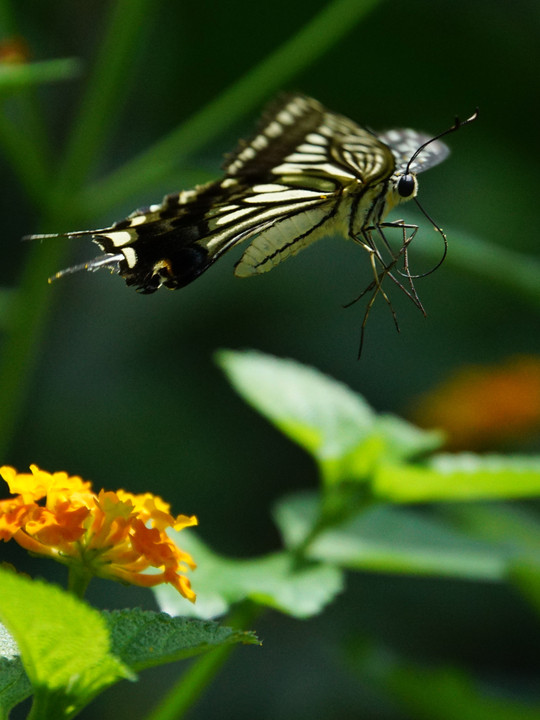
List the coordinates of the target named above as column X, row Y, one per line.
column 126, row 392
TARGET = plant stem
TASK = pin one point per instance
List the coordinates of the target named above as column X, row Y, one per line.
column 32, row 304
column 126, row 21
column 26, row 159
column 78, row 581
column 193, row 682
column 15, row 76
column 310, row 42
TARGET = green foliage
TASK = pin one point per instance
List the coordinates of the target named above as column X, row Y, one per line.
column 460, row 477
column 436, row 693
column 64, row 645
column 386, row 539
column 335, row 425
column 370, row 464
column 275, row 581
column 351, row 443
column 71, row 652
column 14, row 77
column 145, row 639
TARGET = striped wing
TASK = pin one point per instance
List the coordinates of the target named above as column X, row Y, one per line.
column 282, row 190
column 304, row 147
column 298, row 135
column 290, row 184
column 175, row 242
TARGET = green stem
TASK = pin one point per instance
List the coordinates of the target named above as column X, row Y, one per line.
column 194, row 681
column 8, row 24
column 78, row 581
column 13, row 77
column 322, row 32
column 26, row 159
column 32, row 305
column 126, row 21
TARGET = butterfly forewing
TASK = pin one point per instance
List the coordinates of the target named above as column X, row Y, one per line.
column 298, row 135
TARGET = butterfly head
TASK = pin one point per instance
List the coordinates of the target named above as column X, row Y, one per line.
column 403, row 186
column 413, row 153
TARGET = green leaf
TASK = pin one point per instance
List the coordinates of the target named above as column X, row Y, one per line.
column 322, row 415
column 64, row 645
column 14, row 684
column 459, row 477
column 525, row 575
column 403, row 440
column 391, row 540
column 144, row 639
column 319, row 413
column 14, row 76
column 507, row 524
column 272, row 581
column 443, row 693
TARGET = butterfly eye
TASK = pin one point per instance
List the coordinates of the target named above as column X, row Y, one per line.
column 406, row 185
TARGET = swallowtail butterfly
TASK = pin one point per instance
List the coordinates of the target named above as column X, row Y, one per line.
column 305, row 174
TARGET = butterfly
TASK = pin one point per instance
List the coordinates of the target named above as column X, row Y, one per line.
column 306, row 173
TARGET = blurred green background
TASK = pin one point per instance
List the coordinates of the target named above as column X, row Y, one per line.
column 123, row 389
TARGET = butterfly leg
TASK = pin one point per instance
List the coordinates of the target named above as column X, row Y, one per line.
column 404, row 251
column 375, row 286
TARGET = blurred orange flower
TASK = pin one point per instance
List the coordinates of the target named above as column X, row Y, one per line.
column 115, row 535
column 481, row 406
column 14, row 50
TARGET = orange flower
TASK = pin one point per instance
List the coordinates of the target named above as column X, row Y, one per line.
column 480, row 406
column 14, row 50
column 114, row 535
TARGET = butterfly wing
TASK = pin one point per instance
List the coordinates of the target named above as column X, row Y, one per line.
column 283, row 189
column 303, row 151
column 404, row 143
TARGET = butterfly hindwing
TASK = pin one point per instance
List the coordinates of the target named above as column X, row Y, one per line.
column 172, row 244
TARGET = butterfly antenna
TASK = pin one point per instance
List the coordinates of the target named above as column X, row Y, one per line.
column 456, row 126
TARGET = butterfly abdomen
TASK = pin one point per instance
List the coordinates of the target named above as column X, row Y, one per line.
column 175, row 263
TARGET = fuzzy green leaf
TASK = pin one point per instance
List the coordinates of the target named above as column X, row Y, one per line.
column 14, row 684
column 271, row 580
column 322, row 415
column 391, row 540
column 64, row 645
column 144, row 639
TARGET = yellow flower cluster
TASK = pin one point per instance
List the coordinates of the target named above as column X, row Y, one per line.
column 114, row 535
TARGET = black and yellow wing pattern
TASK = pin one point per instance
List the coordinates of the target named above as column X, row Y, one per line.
column 306, row 173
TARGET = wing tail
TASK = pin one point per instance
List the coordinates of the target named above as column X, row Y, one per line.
column 91, row 265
